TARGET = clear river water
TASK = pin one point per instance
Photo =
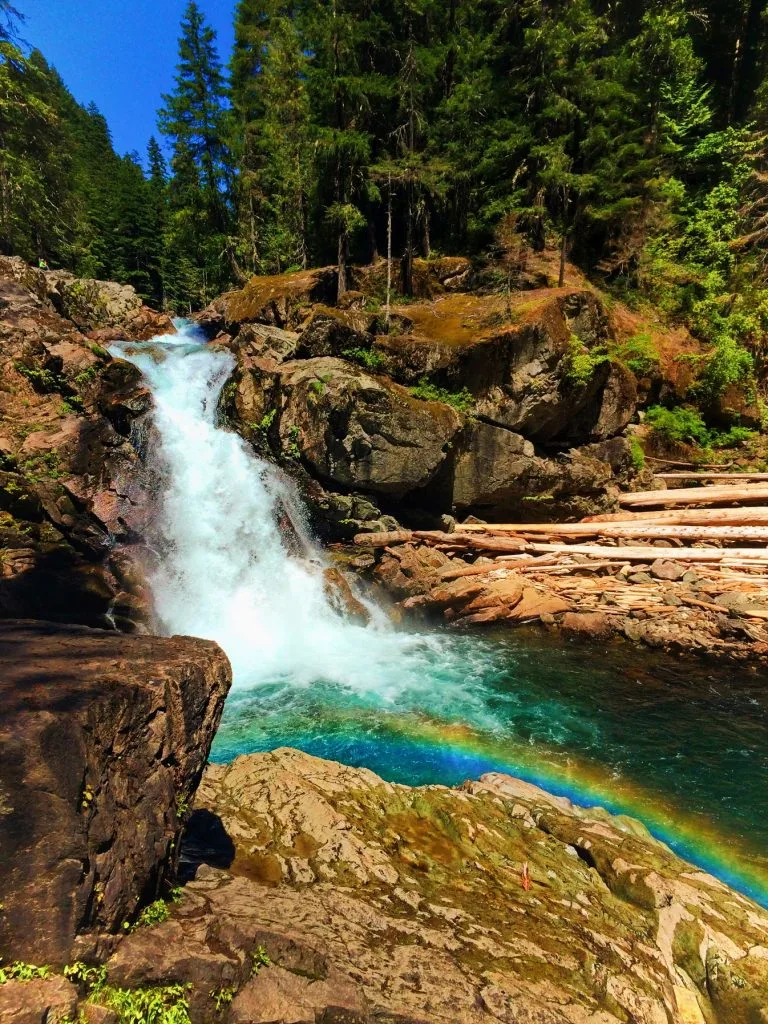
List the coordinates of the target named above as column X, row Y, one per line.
column 679, row 745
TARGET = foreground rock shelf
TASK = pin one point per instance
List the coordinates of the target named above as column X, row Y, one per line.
column 331, row 896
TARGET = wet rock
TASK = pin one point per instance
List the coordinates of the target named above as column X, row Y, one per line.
column 104, row 738
column 589, row 624
column 408, row 571
column 340, row 596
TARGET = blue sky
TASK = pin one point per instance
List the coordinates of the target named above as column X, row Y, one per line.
column 120, row 54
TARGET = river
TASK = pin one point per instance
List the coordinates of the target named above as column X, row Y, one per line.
column 678, row 745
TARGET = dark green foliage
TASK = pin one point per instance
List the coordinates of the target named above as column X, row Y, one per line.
column 683, row 425
column 194, row 118
column 631, row 135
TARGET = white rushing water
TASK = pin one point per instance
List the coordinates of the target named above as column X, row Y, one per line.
column 225, row 574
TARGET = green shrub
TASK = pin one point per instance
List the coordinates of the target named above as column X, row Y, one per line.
column 19, row 971
column 678, row 426
column 461, row 400
column 640, row 354
column 167, row 1004
column 731, row 438
column 581, row 362
column 364, row 356
column 92, row 979
column 684, row 425
column 155, row 913
column 637, row 454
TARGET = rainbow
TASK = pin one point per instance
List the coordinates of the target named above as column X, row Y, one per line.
column 415, row 749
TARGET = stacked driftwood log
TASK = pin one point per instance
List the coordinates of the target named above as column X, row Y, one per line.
column 701, row 548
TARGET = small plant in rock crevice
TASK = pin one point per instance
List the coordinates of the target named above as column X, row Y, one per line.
column 581, row 363
column 425, row 390
column 20, row 971
column 292, row 450
column 260, row 958
column 222, row 998
column 367, row 357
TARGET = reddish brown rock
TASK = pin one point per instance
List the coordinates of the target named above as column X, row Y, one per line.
column 72, row 483
column 589, row 624
column 103, row 740
column 51, row 1000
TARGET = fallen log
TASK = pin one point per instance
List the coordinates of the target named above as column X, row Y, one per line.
column 651, row 554
column 726, row 534
column 645, row 528
column 752, row 516
column 711, row 476
column 384, row 540
column 714, row 495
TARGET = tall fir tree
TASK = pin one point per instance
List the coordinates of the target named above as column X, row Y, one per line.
column 194, row 119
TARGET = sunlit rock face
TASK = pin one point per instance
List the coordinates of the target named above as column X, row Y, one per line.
column 496, row 901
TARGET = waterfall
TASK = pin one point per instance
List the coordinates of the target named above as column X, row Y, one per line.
column 223, row 571
column 424, row 706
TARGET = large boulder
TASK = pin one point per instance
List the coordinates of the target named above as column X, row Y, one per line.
column 497, row 474
column 539, row 367
column 337, row 897
column 362, row 432
column 103, row 738
column 279, row 300
column 94, row 305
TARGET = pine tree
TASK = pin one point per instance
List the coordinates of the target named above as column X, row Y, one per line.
column 194, row 119
column 34, row 194
column 158, row 214
column 342, row 85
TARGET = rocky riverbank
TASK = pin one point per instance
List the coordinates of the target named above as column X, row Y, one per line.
column 663, row 601
column 74, row 499
column 323, row 894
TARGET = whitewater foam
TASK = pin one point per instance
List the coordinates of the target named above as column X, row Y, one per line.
column 226, row 574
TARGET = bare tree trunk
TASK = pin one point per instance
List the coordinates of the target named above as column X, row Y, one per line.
column 342, row 261
column 372, row 243
column 389, row 250
column 426, row 243
column 563, row 253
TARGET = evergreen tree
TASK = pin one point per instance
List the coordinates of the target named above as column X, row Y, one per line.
column 194, row 119
column 34, row 197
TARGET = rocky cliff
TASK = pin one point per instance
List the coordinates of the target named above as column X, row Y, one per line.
column 73, row 504
column 471, row 402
